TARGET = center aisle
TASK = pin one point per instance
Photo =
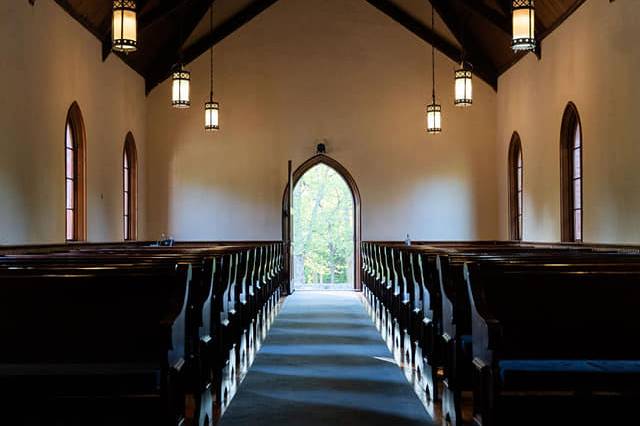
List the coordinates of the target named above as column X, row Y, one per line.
column 324, row 363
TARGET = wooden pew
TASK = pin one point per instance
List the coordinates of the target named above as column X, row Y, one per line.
column 67, row 331
column 205, row 341
column 451, row 328
column 544, row 328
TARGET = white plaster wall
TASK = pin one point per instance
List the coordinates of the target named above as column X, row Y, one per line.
column 593, row 60
column 49, row 61
column 311, row 69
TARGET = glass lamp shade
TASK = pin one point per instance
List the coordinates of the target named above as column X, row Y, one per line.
column 434, row 118
column 181, row 82
column 124, row 31
column 211, row 116
column 464, row 87
column 524, row 25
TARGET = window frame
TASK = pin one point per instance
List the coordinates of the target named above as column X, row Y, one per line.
column 74, row 125
column 130, row 189
column 571, row 130
column 516, row 188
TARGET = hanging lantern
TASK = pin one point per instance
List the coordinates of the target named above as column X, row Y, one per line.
column 524, row 25
column 180, row 89
column 434, row 111
column 211, row 108
column 211, row 115
column 434, row 118
column 124, row 31
column 464, row 86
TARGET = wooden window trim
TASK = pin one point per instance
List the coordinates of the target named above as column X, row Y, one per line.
column 76, row 123
column 570, row 123
column 130, row 153
column 516, row 193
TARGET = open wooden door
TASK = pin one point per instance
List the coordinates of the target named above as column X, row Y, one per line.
column 289, row 228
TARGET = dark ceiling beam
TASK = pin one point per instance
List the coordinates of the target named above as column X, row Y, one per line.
column 546, row 31
column 189, row 15
column 225, row 29
column 412, row 24
column 84, row 21
column 428, row 35
column 499, row 20
column 228, row 27
column 483, row 67
column 157, row 14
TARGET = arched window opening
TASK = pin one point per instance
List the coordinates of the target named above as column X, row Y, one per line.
column 75, row 175
column 571, row 175
column 130, row 188
column 516, row 201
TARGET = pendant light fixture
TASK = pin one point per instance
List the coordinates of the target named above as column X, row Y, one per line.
column 463, row 86
column 124, row 30
column 181, row 82
column 524, row 25
column 211, row 108
column 463, row 79
column 434, row 111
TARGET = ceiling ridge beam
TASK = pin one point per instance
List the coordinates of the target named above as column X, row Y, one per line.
column 222, row 31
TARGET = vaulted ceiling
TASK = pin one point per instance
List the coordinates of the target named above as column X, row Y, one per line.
column 173, row 29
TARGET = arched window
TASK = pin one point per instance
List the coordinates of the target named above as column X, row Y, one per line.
column 571, row 175
column 130, row 188
column 75, row 142
column 515, row 188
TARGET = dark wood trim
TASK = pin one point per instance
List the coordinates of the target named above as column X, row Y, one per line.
column 357, row 205
column 74, row 118
column 515, row 226
column 570, row 119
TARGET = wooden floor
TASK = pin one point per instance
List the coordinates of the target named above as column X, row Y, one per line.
column 324, row 363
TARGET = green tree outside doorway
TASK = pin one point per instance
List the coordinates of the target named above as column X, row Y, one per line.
column 323, row 240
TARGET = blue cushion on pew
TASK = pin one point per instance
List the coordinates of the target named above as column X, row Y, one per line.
column 570, row 374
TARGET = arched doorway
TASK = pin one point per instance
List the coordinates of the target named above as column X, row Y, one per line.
column 317, row 168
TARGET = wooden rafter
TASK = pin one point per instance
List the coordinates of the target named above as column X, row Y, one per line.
column 191, row 14
column 482, row 66
column 219, row 33
column 226, row 28
column 412, row 24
